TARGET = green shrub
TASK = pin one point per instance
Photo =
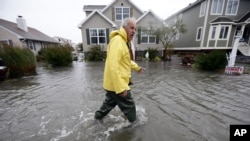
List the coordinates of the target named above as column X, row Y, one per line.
column 19, row 61
column 157, row 59
column 213, row 61
column 57, row 56
column 153, row 53
column 95, row 54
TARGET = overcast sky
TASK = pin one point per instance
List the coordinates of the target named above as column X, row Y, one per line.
column 61, row 17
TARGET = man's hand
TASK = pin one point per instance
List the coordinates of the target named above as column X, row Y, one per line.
column 141, row 70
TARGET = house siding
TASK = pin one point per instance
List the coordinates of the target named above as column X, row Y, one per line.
column 109, row 13
column 148, row 21
column 96, row 21
column 192, row 21
column 6, row 35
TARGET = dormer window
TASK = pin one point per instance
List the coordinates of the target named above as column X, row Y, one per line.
column 121, row 13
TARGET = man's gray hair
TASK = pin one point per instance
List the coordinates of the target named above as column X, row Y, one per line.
column 126, row 20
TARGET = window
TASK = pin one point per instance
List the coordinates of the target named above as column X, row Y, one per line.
column 147, row 36
column 213, row 32
column 203, row 9
column 31, row 45
column 217, row 7
column 199, row 33
column 180, row 17
column 220, row 32
column 97, row 36
column 177, row 36
column 232, row 7
column 6, row 42
column 121, row 13
column 223, row 32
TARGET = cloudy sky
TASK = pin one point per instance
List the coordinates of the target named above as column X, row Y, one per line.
column 61, row 17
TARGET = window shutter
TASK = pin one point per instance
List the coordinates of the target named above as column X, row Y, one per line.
column 139, row 35
column 157, row 39
column 87, row 36
column 107, row 35
column 131, row 12
column 113, row 14
column 10, row 42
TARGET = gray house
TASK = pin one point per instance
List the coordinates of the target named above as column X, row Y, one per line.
column 214, row 24
column 19, row 34
column 102, row 19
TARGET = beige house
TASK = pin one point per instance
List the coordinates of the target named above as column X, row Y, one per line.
column 19, row 34
column 102, row 19
column 63, row 41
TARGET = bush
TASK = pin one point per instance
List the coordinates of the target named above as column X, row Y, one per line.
column 153, row 53
column 95, row 54
column 57, row 56
column 19, row 61
column 213, row 61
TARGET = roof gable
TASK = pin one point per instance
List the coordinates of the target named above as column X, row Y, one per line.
column 222, row 20
column 91, row 15
column 244, row 18
column 190, row 6
column 147, row 14
column 114, row 1
column 93, row 7
column 32, row 34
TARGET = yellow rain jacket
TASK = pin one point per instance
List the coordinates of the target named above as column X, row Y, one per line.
column 118, row 64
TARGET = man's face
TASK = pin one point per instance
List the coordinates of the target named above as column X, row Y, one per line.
column 130, row 30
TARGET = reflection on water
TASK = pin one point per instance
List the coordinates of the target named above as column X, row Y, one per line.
column 174, row 102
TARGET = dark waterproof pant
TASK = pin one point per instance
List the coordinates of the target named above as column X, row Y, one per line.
column 126, row 104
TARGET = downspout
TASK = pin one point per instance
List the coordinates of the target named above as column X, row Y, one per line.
column 205, row 25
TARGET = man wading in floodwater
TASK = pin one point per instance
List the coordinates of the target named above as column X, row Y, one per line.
column 117, row 72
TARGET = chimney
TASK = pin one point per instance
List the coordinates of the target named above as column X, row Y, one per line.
column 21, row 23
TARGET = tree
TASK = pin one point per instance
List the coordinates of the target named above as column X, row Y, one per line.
column 79, row 47
column 166, row 34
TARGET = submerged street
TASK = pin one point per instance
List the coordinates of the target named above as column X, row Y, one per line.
column 174, row 103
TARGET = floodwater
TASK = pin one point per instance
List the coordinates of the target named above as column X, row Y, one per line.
column 174, row 103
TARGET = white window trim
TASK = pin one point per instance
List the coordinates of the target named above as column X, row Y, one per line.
column 98, row 42
column 203, row 9
column 228, row 32
column 180, row 16
column 217, row 32
column 31, row 43
column 217, row 8
column 197, row 33
column 236, row 7
column 211, row 32
column 147, row 36
column 177, row 36
column 121, row 13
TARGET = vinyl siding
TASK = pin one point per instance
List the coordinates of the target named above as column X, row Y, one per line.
column 108, row 12
column 192, row 21
column 148, row 21
column 7, row 35
column 96, row 21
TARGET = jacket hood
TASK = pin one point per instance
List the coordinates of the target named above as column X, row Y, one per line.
column 120, row 32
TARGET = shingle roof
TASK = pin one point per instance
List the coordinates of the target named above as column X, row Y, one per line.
column 245, row 17
column 99, row 13
column 222, row 19
column 32, row 34
column 93, row 7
